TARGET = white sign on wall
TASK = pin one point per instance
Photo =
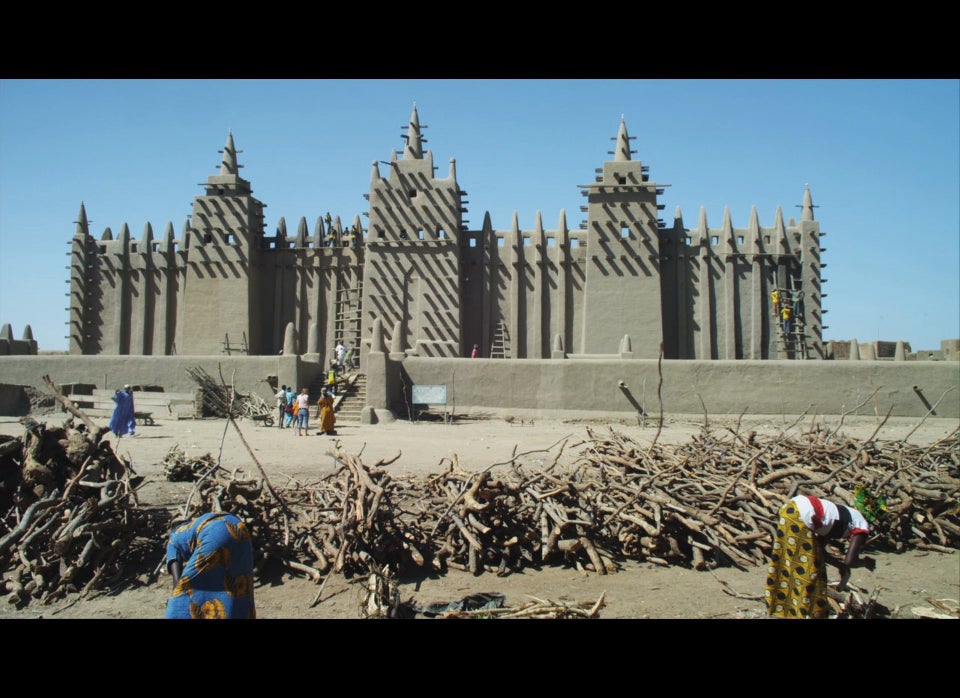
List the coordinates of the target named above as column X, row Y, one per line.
column 429, row 395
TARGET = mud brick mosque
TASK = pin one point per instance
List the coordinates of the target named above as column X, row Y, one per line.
column 227, row 284
column 605, row 310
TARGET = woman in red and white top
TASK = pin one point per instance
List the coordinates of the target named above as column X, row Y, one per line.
column 796, row 578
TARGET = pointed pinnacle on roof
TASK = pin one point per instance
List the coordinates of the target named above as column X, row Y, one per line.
column 414, row 145
column 228, row 164
column 807, row 206
column 83, row 225
column 622, row 150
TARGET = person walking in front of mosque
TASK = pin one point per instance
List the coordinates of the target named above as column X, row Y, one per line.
column 328, row 419
column 340, row 351
column 281, row 397
column 303, row 413
column 289, row 398
column 124, row 419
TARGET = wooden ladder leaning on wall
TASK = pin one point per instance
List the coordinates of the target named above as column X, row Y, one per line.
column 500, row 348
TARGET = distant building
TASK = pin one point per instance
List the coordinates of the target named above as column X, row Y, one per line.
column 624, row 281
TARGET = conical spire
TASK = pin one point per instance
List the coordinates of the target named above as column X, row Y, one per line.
column 289, row 339
column 807, row 208
column 83, row 227
column 375, row 173
column 753, row 230
column 622, row 150
column 727, row 228
column 702, row 222
column 396, row 341
column 303, row 231
column 376, row 337
column 166, row 243
column 228, row 164
column 414, row 146
column 453, row 170
column 318, row 232
column 779, row 232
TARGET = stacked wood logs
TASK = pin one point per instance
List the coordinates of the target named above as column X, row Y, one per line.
column 220, row 400
column 708, row 503
column 71, row 521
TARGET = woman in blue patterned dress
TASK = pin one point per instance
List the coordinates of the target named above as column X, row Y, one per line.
column 211, row 561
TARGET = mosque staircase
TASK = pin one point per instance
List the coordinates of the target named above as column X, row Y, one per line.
column 351, row 402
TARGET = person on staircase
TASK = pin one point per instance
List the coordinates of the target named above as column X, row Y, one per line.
column 331, row 381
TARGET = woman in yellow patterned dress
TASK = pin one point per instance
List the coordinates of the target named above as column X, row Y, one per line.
column 797, row 577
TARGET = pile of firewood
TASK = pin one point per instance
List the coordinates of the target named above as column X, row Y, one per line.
column 717, row 497
column 70, row 520
column 177, row 467
column 345, row 523
column 69, row 516
column 220, row 400
column 708, row 503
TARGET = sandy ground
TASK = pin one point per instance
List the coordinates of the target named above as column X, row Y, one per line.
column 638, row 591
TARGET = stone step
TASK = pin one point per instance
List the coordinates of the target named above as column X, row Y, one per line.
column 351, row 407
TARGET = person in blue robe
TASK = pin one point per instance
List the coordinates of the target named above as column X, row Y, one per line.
column 123, row 420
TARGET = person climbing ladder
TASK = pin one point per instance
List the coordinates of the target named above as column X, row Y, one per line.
column 785, row 315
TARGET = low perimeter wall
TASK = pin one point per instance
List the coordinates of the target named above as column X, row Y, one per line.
column 547, row 387
column 249, row 374
column 542, row 387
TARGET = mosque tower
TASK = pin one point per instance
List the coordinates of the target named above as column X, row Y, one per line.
column 623, row 252
column 412, row 271
column 221, row 288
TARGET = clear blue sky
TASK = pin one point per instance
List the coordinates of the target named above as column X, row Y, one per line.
column 881, row 157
